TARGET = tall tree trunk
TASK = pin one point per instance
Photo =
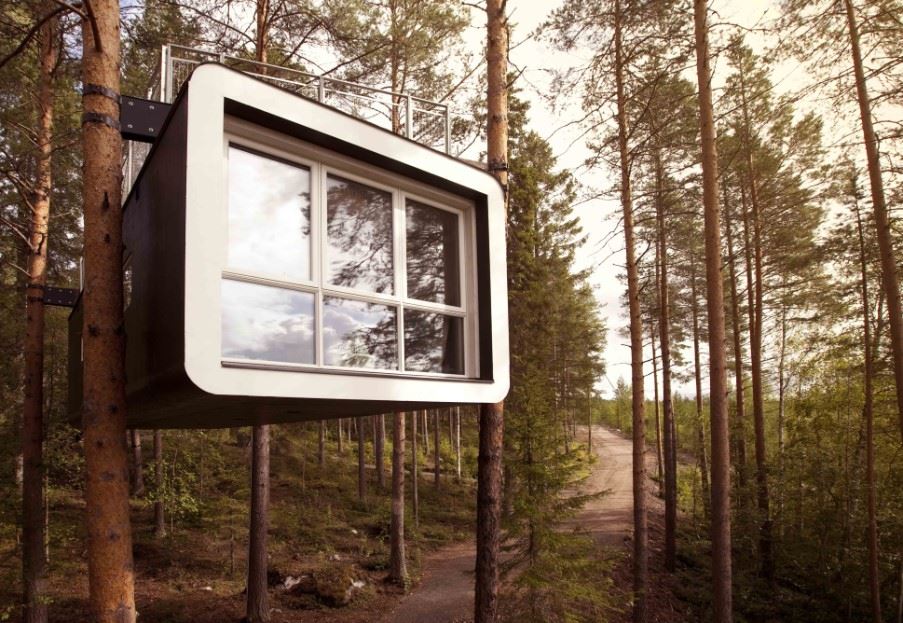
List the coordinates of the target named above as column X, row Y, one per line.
column 436, row 454
column 889, row 278
column 640, row 522
column 740, row 409
column 258, row 602
column 321, row 444
column 340, row 440
column 489, row 462
column 755, row 348
column 697, row 377
column 361, row 466
column 721, row 477
column 664, row 327
column 782, row 386
column 874, row 578
column 415, row 468
column 137, row 463
column 159, row 520
column 458, row 443
column 398, row 571
column 659, row 460
column 34, row 564
column 111, row 575
column 379, row 449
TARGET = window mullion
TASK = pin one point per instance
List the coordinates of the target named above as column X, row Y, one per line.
column 400, row 255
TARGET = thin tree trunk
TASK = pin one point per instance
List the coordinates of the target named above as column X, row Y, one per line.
column 379, row 445
column 890, row 280
column 640, row 525
column 436, row 454
column 874, row 578
column 721, row 477
column 664, row 326
column 159, row 520
column 458, row 443
column 258, row 602
column 755, row 330
column 398, row 571
column 697, row 377
column 659, row 461
column 740, row 404
column 321, row 444
column 34, row 560
column 137, row 463
column 492, row 423
column 415, row 468
column 361, row 466
column 781, row 415
column 341, row 447
column 111, row 576
column 426, row 433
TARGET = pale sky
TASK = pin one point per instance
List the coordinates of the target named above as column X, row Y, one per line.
column 603, row 252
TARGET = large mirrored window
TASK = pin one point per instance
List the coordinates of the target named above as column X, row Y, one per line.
column 433, row 342
column 269, row 324
column 433, row 258
column 359, row 335
column 359, row 236
column 327, row 271
column 269, row 216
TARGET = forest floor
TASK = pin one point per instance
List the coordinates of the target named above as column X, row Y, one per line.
column 445, row 593
column 319, row 529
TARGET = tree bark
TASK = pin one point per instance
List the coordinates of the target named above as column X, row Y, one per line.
column 721, row 478
column 321, row 444
column 874, row 578
column 640, row 525
column 159, row 519
column 889, row 278
column 110, row 565
column 659, row 460
column 664, row 326
column 379, row 445
column 361, row 467
column 415, row 468
column 697, row 377
column 458, row 443
column 34, row 562
column 137, row 463
column 436, row 445
column 258, row 601
column 740, row 409
column 755, row 348
column 492, row 420
column 398, row 571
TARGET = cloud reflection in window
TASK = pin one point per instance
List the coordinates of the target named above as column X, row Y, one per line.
column 269, row 216
column 264, row 323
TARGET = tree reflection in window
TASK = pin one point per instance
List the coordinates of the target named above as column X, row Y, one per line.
column 357, row 334
column 359, row 236
column 433, row 342
column 432, row 254
column 269, row 215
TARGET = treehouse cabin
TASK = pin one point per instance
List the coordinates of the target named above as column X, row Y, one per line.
column 286, row 261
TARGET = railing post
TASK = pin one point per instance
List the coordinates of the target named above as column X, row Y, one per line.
column 164, row 70
column 409, row 117
column 168, row 94
column 321, row 89
column 447, row 130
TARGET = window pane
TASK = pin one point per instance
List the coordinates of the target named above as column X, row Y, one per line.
column 433, row 342
column 359, row 232
column 260, row 322
column 269, row 216
column 432, row 254
column 359, row 335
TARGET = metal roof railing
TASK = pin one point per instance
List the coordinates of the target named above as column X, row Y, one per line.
column 421, row 120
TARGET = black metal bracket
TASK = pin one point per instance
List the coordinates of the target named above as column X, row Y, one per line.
column 141, row 120
column 61, row 297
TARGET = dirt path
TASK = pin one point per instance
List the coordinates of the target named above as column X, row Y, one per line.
column 445, row 593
